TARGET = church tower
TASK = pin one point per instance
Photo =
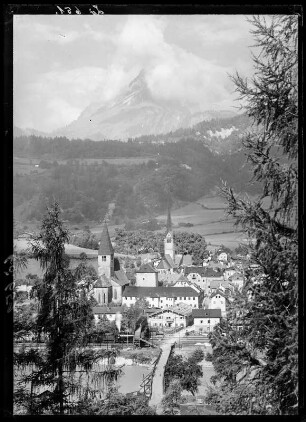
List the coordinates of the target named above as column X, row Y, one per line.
column 169, row 242
column 105, row 254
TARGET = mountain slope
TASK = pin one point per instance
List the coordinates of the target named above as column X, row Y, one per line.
column 132, row 114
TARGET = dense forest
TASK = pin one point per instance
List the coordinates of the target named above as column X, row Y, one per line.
column 185, row 170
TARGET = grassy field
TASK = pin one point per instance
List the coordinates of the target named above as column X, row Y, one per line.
column 208, row 216
column 27, row 165
column 117, row 161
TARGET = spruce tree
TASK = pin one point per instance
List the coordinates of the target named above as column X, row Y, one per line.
column 66, row 373
column 261, row 359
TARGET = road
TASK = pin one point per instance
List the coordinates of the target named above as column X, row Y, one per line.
column 158, row 379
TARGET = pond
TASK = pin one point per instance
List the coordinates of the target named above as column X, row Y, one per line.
column 132, row 377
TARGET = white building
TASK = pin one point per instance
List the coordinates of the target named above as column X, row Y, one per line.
column 102, row 311
column 218, row 301
column 205, row 319
column 176, row 316
column 146, row 276
column 162, row 297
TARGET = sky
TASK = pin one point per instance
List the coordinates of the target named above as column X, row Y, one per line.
column 62, row 64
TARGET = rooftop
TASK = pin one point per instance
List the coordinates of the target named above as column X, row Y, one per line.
column 146, row 268
column 206, row 313
column 106, row 309
column 105, row 247
column 133, row 291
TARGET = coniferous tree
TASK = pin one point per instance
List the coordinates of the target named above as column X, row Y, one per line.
column 261, row 358
column 49, row 381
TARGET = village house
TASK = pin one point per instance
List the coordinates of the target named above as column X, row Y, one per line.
column 205, row 319
column 222, row 256
column 228, row 272
column 218, row 301
column 146, row 276
column 183, row 281
column 203, row 276
column 110, row 313
column 162, row 297
column 174, row 316
column 237, row 280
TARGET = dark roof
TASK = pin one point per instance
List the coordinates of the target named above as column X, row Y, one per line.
column 206, row 313
column 103, row 281
column 183, row 278
column 218, row 292
column 163, row 264
column 121, row 278
column 181, row 309
column 203, row 271
column 146, row 268
column 105, row 247
column 133, row 291
column 106, row 310
column 170, row 260
column 151, row 310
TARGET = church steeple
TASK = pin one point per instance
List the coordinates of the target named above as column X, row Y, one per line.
column 169, row 222
column 105, row 254
column 169, row 242
column 106, row 247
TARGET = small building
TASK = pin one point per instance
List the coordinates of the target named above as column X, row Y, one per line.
column 228, row 272
column 218, row 301
column 183, row 281
column 206, row 319
column 146, row 276
column 203, row 276
column 237, row 280
column 163, row 267
column 103, row 311
column 222, row 257
column 175, row 316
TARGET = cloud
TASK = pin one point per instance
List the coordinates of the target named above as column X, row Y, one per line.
column 63, row 64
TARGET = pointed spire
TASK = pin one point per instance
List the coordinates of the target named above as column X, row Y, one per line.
column 105, row 247
column 169, row 222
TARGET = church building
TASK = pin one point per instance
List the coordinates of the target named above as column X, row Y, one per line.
column 110, row 284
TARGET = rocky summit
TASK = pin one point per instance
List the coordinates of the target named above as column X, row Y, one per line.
column 133, row 113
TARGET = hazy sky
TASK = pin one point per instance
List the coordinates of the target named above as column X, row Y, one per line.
column 64, row 63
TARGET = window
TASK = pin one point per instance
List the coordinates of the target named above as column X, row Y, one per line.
column 104, row 258
column 99, row 298
column 208, row 321
column 104, row 298
column 193, row 298
column 201, row 321
column 115, row 294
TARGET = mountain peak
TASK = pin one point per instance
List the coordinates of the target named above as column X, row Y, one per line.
column 139, row 81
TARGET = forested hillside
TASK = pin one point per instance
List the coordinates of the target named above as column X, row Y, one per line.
column 82, row 176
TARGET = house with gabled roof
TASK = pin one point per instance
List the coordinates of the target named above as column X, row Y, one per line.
column 162, row 297
column 203, row 276
column 174, row 316
column 183, row 281
column 205, row 319
column 146, row 276
column 110, row 313
column 218, row 301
